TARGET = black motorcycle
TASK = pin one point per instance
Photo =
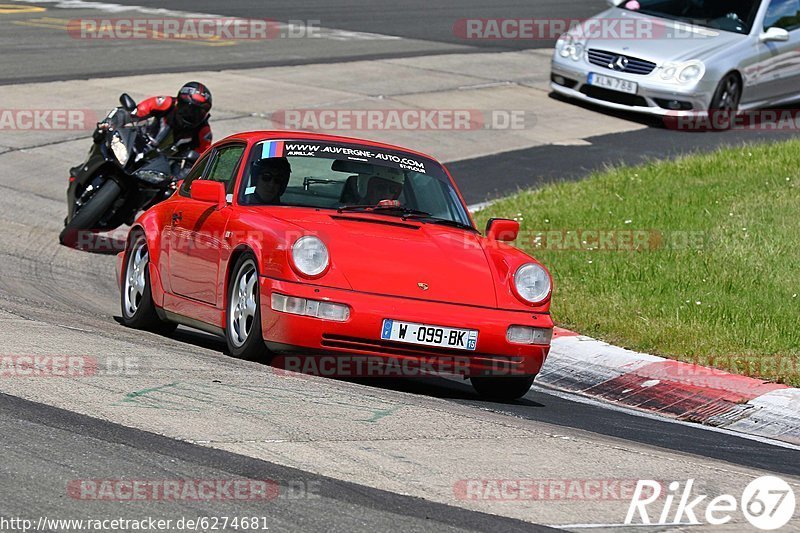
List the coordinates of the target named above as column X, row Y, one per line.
column 122, row 175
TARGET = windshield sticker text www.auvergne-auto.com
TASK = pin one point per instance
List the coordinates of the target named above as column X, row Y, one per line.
column 363, row 154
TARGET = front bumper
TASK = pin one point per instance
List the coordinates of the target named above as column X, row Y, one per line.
column 653, row 96
column 360, row 334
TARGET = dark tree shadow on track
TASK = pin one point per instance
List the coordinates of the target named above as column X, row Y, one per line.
column 194, row 337
column 437, row 387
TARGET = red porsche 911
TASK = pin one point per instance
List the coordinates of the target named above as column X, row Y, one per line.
column 301, row 243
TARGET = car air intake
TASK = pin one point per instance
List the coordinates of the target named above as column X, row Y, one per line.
column 620, row 63
column 673, row 104
column 563, row 81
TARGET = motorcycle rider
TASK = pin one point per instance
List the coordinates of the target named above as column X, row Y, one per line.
column 181, row 121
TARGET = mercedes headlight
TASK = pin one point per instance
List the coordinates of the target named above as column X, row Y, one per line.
column 310, row 256
column 569, row 46
column 688, row 72
column 691, row 72
column 532, row 283
column 668, row 71
column 119, row 149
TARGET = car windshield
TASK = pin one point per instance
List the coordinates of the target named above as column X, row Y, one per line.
column 350, row 177
column 735, row 16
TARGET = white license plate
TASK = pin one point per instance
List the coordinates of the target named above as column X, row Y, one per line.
column 458, row 339
column 615, row 84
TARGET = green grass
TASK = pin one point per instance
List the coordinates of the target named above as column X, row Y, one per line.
column 729, row 297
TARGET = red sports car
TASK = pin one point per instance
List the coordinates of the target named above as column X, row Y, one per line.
column 306, row 244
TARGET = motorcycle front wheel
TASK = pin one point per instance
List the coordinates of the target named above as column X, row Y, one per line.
column 90, row 213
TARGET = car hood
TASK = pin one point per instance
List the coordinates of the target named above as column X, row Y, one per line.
column 384, row 255
column 671, row 40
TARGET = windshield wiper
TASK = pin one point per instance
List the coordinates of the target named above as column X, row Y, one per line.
column 384, row 209
column 407, row 214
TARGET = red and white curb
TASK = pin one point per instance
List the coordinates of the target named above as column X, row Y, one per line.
column 683, row 391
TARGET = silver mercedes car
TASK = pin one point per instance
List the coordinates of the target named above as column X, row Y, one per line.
column 683, row 57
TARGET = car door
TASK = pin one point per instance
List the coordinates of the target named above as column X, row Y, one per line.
column 197, row 230
column 177, row 204
column 777, row 71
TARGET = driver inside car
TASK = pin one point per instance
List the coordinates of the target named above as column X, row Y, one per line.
column 270, row 177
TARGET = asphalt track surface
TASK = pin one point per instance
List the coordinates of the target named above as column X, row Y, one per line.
column 39, row 438
column 541, row 405
column 402, row 30
column 44, row 447
column 414, row 19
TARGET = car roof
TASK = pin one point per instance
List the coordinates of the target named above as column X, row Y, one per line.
column 263, row 135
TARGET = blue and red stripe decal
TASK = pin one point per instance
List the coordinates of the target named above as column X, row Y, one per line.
column 272, row 149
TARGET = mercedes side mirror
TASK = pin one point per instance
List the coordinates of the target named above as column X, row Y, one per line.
column 774, row 35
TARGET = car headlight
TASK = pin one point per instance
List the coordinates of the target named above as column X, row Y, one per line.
column 568, row 46
column 119, row 149
column 692, row 71
column 310, row 256
column 668, row 71
column 532, row 283
column 688, row 72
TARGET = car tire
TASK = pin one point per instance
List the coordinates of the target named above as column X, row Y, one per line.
column 136, row 298
column 243, row 312
column 504, row 388
column 726, row 101
column 90, row 214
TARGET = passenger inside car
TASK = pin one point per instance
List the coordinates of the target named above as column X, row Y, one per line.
column 371, row 189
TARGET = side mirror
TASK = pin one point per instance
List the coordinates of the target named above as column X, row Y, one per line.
column 212, row 192
column 127, row 103
column 502, row 229
column 774, row 35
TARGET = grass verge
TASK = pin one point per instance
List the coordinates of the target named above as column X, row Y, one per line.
column 696, row 259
